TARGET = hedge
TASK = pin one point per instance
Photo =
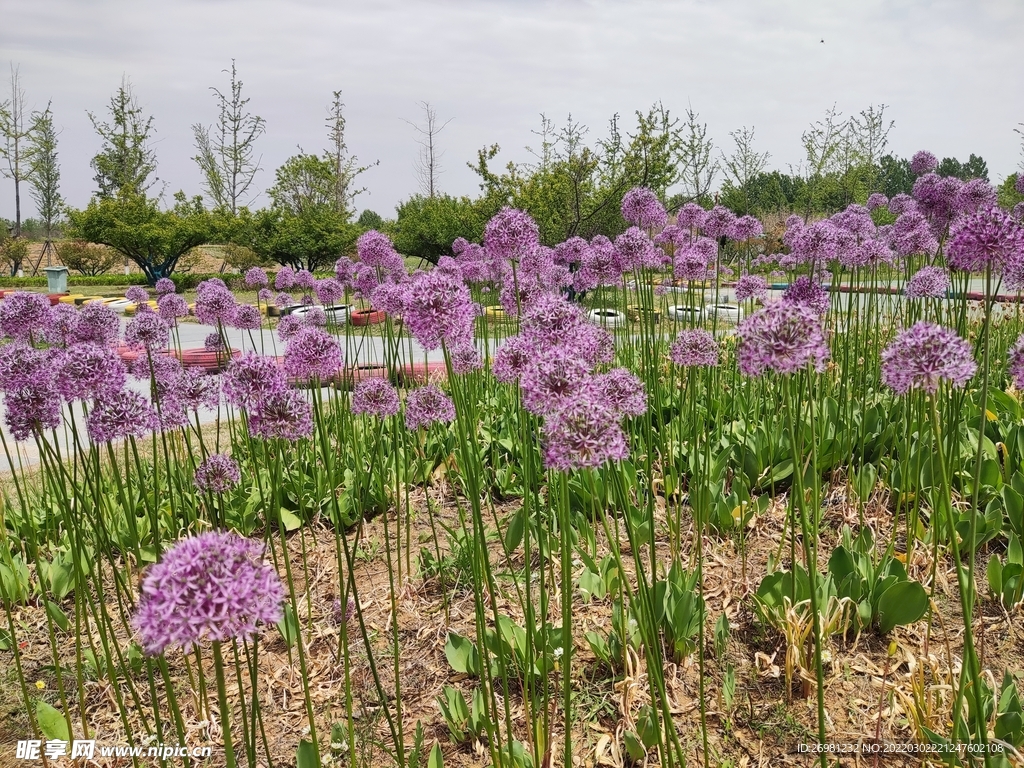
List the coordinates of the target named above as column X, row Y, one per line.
column 183, row 282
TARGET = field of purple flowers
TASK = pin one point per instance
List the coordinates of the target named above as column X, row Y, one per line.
column 667, row 499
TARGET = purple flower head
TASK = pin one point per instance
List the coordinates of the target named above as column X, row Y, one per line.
column 171, row 306
column 718, row 222
column 120, row 414
column 923, row 355
column 313, row 354
column 459, row 245
column 344, row 270
column 89, row 371
column 877, row 200
column 329, row 290
column 283, row 413
column 621, row 390
column 751, row 287
column 902, row 203
column 164, row 286
column 872, row 252
column 1015, row 362
column 641, row 207
column 288, row 326
column 147, row 331
column 550, row 320
column 439, row 308
column 911, row 234
column 585, row 433
column 855, row 219
column 375, row 249
column 32, row 409
column 692, row 261
column 60, row 325
column 975, row 195
column 265, row 295
column 691, row 216
column 936, row 198
column 552, row 379
column 636, row 250
column 990, row 238
column 784, row 336
column 1018, row 213
column 427, row 405
column 304, row 279
column 137, row 294
column 283, row 299
column 390, row 298
column 252, row 378
column 375, row 397
column 214, row 586
column 214, row 303
column 923, row 162
column 23, row 366
column 927, row 283
column 192, row 389
column 817, row 243
column 316, row 317
column 248, row 318
column 285, row 279
column 809, row 293
column 694, row 347
column 511, row 234
column 23, row 315
column 512, row 358
column 572, row 251
column 214, row 342
column 745, row 228
column 219, row 473
column 256, row 277
column 465, row 359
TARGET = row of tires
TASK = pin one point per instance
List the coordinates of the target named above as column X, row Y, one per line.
column 614, row 318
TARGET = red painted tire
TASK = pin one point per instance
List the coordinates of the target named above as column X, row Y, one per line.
column 211, row 362
column 366, row 317
column 55, row 298
column 421, row 373
column 348, row 378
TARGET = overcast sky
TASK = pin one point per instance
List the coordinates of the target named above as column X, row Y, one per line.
column 950, row 73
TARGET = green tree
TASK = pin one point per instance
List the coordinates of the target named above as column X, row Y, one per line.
column 742, row 167
column 699, row 167
column 427, row 226
column 303, row 183
column 370, row 220
column 226, row 152
column 125, row 162
column 44, row 171
column 1008, row 194
column 894, row 176
column 313, row 239
column 135, row 227
column 87, row 258
column 15, row 150
column 13, row 252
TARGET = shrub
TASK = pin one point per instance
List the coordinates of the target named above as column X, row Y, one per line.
column 87, row 258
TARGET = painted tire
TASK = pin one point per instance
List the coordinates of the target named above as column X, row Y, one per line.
column 420, row 373
column 728, row 312
column 496, row 313
column 211, row 362
column 681, row 312
column 366, row 317
column 609, row 318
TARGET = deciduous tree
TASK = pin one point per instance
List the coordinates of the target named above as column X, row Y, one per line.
column 126, row 161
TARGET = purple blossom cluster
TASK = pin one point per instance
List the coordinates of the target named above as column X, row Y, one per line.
column 694, row 347
column 785, row 336
column 641, row 207
column 375, row 397
column 927, row 283
column 922, row 356
column 218, row 474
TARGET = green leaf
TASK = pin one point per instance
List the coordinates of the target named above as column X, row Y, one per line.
column 307, row 756
column 436, row 759
column 57, row 616
column 462, row 654
column 289, row 520
column 514, row 533
column 51, row 722
column 289, row 626
column 1014, row 504
column 902, row 603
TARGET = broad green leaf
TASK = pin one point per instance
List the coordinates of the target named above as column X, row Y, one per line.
column 307, row 756
column 902, row 603
column 436, row 759
column 51, row 722
column 462, row 654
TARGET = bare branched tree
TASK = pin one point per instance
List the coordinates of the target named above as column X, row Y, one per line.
column 14, row 148
column 698, row 167
column 44, row 178
column 428, row 165
column 744, row 163
column 226, row 151
column 869, row 133
column 346, row 166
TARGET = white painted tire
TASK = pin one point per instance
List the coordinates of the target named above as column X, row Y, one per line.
column 609, row 318
column 681, row 313
column 729, row 312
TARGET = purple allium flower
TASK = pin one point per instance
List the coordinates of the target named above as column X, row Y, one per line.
column 636, row 250
column 22, row 366
column 32, row 409
column 265, row 295
column 288, row 326
column 214, row 303
column 282, row 413
column 745, row 228
column 927, row 283
column 61, row 322
column 1018, row 184
column 873, row 252
column 283, row 299
column 988, row 238
column 147, row 330
column 171, row 306
column 313, row 354
column 87, row 371
column 344, row 270
column 551, row 380
column 695, row 347
column 304, row 279
column 465, row 359
column 165, row 286
column 248, row 318
column 691, row 262
column 551, row 319
column 691, row 216
column 936, row 198
column 24, row 315
column 817, row 243
column 217, row 474
column 214, row 342
column 718, row 222
column 751, row 287
column 427, row 405
column 390, row 298
column 877, row 200
column 924, row 354
column 640, row 206
column 805, row 291
column 1018, row 213
column 214, row 586
column 923, row 162
column 137, row 294
column 439, row 308
column 902, row 203
column 119, row 414
column 256, row 277
column 375, row 249
column 192, row 389
column 316, row 317
column 284, row 280
column 1015, row 362
column 97, row 323
column 621, row 390
column 571, row 251
column 783, row 336
column 855, row 220
column 585, row 433
column 975, row 195
column 912, row 234
column 252, row 378
column 511, row 234
column 375, row 397
column 512, row 358
column 329, row 290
